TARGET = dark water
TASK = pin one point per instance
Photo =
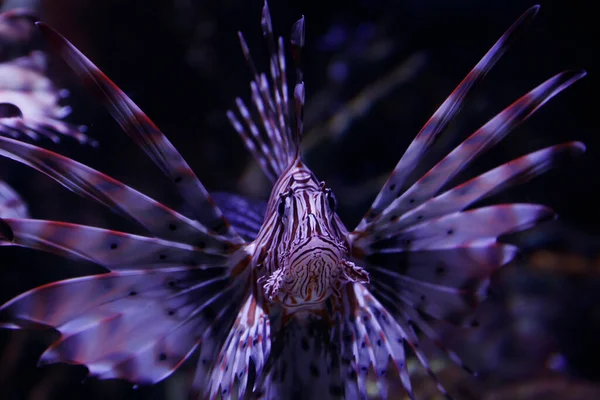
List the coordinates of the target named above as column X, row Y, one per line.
column 180, row 61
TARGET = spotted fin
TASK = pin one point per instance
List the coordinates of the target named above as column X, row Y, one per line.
column 460, row 228
column 439, row 257
column 331, row 358
column 442, row 266
column 447, row 284
column 487, row 136
column 138, row 325
column 441, row 118
column 11, row 204
column 111, row 249
column 144, row 133
column 248, row 344
column 155, row 217
column 460, row 197
column 304, row 363
column 429, row 256
column 375, row 333
column 438, row 269
column 274, row 142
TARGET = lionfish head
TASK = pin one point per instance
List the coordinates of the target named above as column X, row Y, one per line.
column 308, row 257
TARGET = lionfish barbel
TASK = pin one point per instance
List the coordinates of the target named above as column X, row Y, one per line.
column 279, row 301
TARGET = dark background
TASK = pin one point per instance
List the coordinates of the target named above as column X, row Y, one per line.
column 180, row 61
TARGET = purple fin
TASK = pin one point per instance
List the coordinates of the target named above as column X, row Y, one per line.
column 445, row 284
column 248, row 342
column 111, row 249
column 144, row 133
column 481, row 225
column 304, row 363
column 460, row 197
column 138, row 325
column 244, row 214
column 155, row 217
column 438, row 269
column 441, row 118
column 487, row 136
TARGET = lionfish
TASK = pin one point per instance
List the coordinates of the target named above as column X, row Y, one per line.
column 278, row 300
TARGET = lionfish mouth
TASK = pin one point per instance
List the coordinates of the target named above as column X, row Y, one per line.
column 310, row 274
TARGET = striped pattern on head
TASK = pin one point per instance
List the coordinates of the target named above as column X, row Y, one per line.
column 302, row 249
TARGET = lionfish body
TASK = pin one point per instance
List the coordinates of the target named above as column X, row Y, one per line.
column 279, row 300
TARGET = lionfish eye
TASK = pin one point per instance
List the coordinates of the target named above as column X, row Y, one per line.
column 331, row 201
column 281, row 207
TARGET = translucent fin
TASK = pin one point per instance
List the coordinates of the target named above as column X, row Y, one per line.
column 462, row 196
column 459, row 229
column 11, row 204
column 304, row 362
column 377, row 336
column 440, row 120
column 144, row 133
column 446, row 284
column 244, row 214
column 138, row 325
column 211, row 355
column 155, row 217
column 111, row 249
column 248, row 343
column 487, row 136
column 440, row 257
column 429, row 256
column 369, row 344
column 437, row 269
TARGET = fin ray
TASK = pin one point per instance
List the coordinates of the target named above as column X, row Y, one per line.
column 440, row 119
column 484, row 138
column 87, row 182
column 111, row 249
column 144, row 133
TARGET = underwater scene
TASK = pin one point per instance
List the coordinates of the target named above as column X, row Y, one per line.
column 364, row 199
